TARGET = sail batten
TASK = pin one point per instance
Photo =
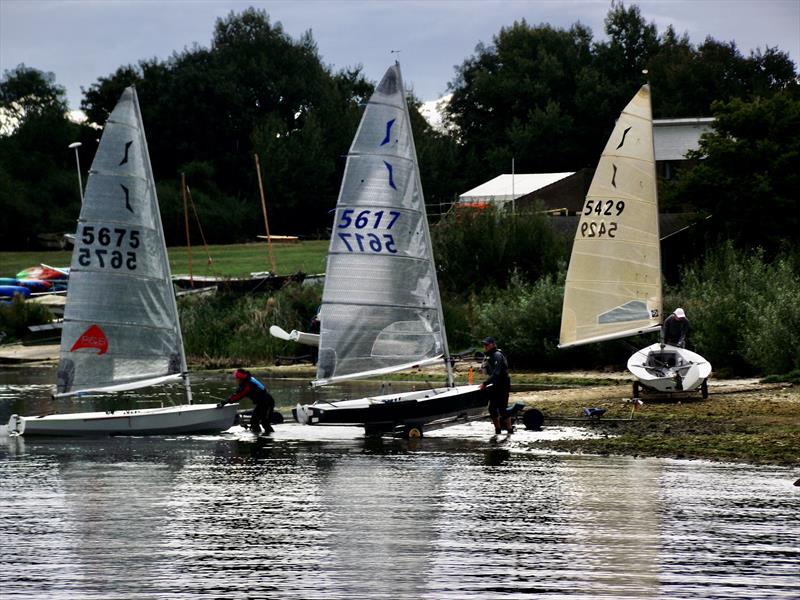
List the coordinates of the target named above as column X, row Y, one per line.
column 613, row 285
column 121, row 322
column 380, row 310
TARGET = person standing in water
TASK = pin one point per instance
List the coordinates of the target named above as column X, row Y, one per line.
column 257, row 392
column 498, row 385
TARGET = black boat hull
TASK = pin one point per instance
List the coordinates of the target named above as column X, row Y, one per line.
column 396, row 413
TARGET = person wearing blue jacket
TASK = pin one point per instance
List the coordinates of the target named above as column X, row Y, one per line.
column 263, row 401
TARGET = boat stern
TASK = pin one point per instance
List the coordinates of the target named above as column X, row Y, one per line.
column 303, row 414
column 16, row 425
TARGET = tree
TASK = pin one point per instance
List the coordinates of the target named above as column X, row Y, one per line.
column 27, row 93
column 748, row 179
column 255, row 90
column 517, row 97
column 38, row 186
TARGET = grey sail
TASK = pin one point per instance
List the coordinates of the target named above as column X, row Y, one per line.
column 121, row 326
column 380, row 307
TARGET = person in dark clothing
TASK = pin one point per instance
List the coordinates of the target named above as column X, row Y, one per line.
column 497, row 384
column 257, row 392
column 314, row 327
column 676, row 328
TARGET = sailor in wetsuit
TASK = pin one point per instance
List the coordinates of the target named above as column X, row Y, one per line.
column 497, row 384
column 257, row 392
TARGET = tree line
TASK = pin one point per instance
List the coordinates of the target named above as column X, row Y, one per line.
column 545, row 96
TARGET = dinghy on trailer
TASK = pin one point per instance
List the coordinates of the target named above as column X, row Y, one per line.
column 381, row 310
column 121, row 329
column 613, row 285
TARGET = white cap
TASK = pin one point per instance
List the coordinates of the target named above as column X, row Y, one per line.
column 679, row 313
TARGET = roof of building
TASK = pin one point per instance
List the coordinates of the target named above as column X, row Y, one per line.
column 506, row 187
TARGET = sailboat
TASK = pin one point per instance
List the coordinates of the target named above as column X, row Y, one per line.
column 613, row 286
column 121, row 329
column 381, row 310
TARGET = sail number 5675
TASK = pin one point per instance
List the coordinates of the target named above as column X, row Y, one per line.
column 107, row 237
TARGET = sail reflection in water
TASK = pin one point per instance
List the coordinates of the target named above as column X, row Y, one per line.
column 339, row 517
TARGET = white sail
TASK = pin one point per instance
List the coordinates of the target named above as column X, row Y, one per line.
column 613, row 286
column 380, row 306
column 121, row 326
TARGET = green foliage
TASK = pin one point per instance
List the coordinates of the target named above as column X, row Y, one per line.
column 790, row 377
column 743, row 311
column 476, row 248
column 38, row 184
column 748, row 177
column 517, row 98
column 17, row 315
column 27, row 93
column 549, row 97
column 255, row 90
column 524, row 318
column 223, row 329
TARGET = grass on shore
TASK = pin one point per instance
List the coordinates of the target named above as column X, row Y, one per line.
column 227, row 260
column 758, row 425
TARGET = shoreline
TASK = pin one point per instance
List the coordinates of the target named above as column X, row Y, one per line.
column 743, row 420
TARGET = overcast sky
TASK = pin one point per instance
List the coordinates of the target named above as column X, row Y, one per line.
column 81, row 40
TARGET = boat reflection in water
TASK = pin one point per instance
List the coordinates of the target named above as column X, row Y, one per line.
column 324, row 513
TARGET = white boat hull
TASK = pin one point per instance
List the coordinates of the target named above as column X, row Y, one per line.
column 669, row 369
column 189, row 418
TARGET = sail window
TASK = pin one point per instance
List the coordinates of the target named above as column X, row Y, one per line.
column 635, row 310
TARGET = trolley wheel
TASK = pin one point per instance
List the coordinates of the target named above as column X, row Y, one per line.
column 413, row 432
column 704, row 389
column 636, row 389
column 533, row 419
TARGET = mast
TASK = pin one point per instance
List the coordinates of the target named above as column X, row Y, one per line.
column 381, row 306
column 186, row 225
column 448, row 363
column 172, row 302
column 264, row 210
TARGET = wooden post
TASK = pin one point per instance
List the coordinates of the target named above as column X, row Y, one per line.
column 186, row 224
column 264, row 209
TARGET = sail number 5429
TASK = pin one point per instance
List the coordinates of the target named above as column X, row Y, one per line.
column 359, row 241
column 601, row 208
column 594, row 229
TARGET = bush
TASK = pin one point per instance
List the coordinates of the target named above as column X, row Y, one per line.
column 224, row 329
column 479, row 248
column 744, row 313
column 525, row 319
column 17, row 315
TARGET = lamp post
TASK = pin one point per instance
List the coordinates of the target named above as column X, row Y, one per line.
column 75, row 146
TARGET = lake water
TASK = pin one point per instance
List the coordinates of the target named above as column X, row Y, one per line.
column 313, row 512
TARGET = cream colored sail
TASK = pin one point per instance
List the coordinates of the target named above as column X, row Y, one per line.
column 613, row 286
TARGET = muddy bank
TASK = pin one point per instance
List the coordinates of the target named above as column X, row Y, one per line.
column 742, row 420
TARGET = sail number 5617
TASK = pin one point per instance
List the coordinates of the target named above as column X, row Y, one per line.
column 367, row 219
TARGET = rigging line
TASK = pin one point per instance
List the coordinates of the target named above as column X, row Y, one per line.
column 199, row 226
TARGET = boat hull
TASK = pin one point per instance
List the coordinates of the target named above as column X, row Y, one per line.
column 248, row 285
column 393, row 413
column 189, row 418
column 669, row 369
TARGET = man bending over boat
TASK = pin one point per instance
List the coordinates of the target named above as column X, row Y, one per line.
column 675, row 329
column 257, row 392
column 498, row 384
